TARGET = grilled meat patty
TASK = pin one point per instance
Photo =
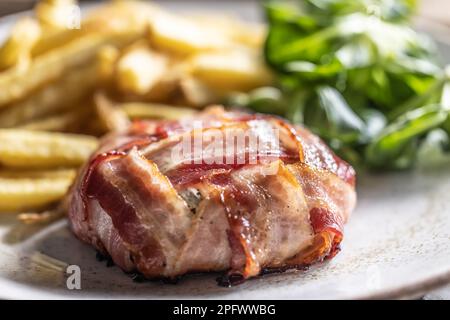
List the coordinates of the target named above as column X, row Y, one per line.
column 224, row 191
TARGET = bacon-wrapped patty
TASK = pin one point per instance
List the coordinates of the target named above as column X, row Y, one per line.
column 223, row 191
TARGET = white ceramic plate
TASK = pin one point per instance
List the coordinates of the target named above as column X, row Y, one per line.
column 397, row 245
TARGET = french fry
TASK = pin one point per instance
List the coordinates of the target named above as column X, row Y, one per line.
column 36, row 149
column 243, row 33
column 233, row 70
column 52, row 266
column 121, row 16
column 52, row 39
column 196, row 93
column 36, row 174
column 17, row 84
column 140, row 69
column 42, row 217
column 17, row 48
column 33, row 190
column 168, row 88
column 182, row 36
column 111, row 117
column 58, row 14
column 57, row 96
column 139, row 110
column 107, row 58
column 67, row 121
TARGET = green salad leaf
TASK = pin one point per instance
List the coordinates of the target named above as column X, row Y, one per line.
column 357, row 74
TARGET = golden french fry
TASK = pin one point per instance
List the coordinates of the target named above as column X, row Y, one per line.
column 37, row 174
column 183, row 36
column 52, row 39
column 66, row 121
column 58, row 14
column 36, row 149
column 47, row 264
column 57, row 96
column 19, row 191
column 17, row 48
column 140, row 69
column 121, row 16
column 111, row 117
column 42, row 217
column 168, row 88
column 243, row 33
column 17, row 84
column 195, row 93
column 140, row 110
column 107, row 58
column 233, row 70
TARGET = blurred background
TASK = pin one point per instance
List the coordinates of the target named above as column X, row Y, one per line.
column 12, row 6
column 432, row 14
column 436, row 10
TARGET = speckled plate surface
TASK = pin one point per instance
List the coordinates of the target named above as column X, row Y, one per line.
column 397, row 245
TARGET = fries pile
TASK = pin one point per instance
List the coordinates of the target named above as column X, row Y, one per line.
column 64, row 84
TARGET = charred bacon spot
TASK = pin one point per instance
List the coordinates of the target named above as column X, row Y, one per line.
column 229, row 280
column 100, row 256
